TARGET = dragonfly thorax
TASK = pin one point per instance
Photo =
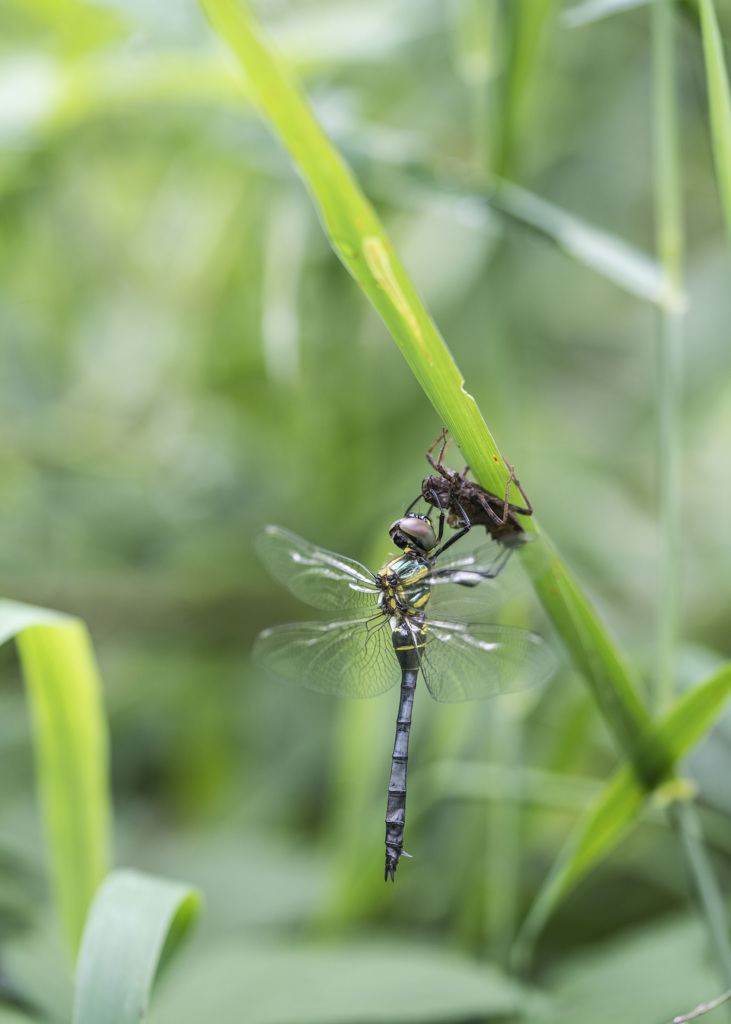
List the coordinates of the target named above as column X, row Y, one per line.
column 403, row 584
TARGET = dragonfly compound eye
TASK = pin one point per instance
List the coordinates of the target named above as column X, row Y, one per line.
column 416, row 530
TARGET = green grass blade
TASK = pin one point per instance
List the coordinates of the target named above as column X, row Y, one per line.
column 719, row 101
column 612, row 257
column 361, row 243
column 526, row 25
column 70, row 735
column 357, row 235
column 594, row 10
column 135, row 925
column 619, row 804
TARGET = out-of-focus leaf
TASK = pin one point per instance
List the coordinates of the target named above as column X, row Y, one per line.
column 475, row 38
column 71, row 750
column 526, row 23
column 613, row 258
column 627, row 266
column 610, row 675
column 39, row 94
column 618, row 806
column 719, row 101
column 344, row 984
column 477, row 780
column 38, row 965
column 649, row 974
column 76, row 25
column 594, row 10
column 135, row 925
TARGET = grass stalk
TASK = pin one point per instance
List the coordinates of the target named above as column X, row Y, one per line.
column 669, row 232
column 504, row 818
column 669, row 228
column 684, row 817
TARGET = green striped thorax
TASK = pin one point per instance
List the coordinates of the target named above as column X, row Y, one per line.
column 403, row 578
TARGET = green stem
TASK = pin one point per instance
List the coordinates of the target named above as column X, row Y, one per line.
column 669, row 230
column 685, row 819
column 699, row 1011
column 669, row 227
column 503, row 817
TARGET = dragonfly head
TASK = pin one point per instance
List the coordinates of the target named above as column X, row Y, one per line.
column 414, row 531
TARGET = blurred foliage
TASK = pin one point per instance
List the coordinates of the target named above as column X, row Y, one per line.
column 184, row 360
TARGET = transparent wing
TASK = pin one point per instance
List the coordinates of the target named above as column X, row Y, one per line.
column 487, row 561
column 473, row 584
column 472, row 662
column 351, row 657
column 468, row 602
column 317, row 577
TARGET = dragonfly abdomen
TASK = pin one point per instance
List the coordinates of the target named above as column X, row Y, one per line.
column 408, row 639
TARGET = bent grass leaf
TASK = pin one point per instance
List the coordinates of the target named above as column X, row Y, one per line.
column 70, row 739
column 612, row 257
column 719, row 101
column 135, row 926
column 618, row 806
column 594, row 10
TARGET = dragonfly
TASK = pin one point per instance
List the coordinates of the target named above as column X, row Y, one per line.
column 393, row 625
column 467, row 504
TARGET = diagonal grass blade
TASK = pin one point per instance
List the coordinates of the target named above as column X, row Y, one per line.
column 620, row 803
column 719, row 101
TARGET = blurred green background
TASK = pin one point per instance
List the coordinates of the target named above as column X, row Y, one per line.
column 184, row 360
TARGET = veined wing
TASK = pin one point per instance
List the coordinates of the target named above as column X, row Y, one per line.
column 470, row 585
column 467, row 603
column 470, row 567
column 472, row 662
column 314, row 575
column 350, row 657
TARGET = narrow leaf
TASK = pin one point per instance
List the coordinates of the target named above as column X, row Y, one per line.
column 594, row 10
column 618, row 806
column 719, row 101
column 70, row 735
column 612, row 257
column 525, row 27
column 135, row 926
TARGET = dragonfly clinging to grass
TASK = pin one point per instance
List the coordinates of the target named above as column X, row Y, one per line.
column 394, row 624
